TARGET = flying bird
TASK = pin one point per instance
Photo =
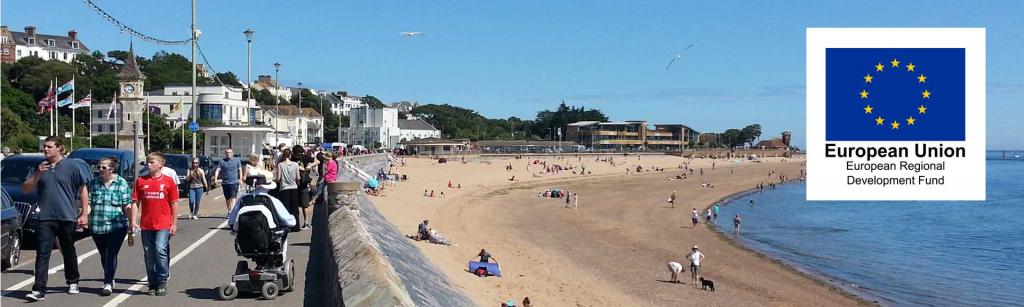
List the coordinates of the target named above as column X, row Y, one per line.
column 413, row 34
column 678, row 56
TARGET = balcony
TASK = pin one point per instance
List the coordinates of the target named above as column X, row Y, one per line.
column 665, row 142
column 620, row 142
column 615, row 133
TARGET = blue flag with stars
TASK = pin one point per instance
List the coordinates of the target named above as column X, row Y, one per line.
column 894, row 94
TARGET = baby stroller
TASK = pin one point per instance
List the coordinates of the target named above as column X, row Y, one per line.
column 264, row 246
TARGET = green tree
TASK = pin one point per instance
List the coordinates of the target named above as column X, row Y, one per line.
column 228, row 78
column 373, row 102
column 264, row 97
column 732, row 138
column 751, row 133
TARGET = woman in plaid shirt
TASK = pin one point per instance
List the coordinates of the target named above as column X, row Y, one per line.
column 111, row 206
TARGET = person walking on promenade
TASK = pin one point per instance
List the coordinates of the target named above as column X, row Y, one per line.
column 197, row 184
column 695, row 257
column 230, row 172
column 111, row 200
column 306, row 164
column 154, row 196
column 736, row 223
column 58, row 182
column 287, row 174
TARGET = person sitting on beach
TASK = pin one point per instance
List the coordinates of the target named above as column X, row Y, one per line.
column 425, row 193
column 431, row 193
column 423, row 231
column 442, row 194
column 460, row 186
column 513, row 178
column 434, row 237
column 485, row 257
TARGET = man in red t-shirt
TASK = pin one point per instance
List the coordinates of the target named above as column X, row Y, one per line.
column 156, row 194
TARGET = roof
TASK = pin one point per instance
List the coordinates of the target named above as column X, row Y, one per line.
column 522, row 143
column 584, row 123
column 130, row 70
column 288, row 110
column 431, row 141
column 414, row 124
column 62, row 42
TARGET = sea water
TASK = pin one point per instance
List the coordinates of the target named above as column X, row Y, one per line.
column 952, row 253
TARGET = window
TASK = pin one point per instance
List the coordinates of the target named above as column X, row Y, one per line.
column 75, row 45
column 99, row 128
column 111, row 126
column 65, row 55
column 7, row 52
column 211, row 111
column 19, row 53
column 31, row 41
column 53, row 55
column 51, row 43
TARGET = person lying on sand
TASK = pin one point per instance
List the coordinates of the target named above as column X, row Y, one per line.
column 436, row 238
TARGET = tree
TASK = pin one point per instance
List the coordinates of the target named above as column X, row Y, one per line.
column 732, row 138
column 373, row 102
column 264, row 97
column 751, row 133
column 228, row 78
column 548, row 121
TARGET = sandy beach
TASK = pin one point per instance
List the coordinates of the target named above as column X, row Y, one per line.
column 613, row 250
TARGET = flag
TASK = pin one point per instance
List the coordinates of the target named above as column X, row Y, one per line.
column 895, row 94
column 84, row 103
column 48, row 101
column 154, row 109
column 113, row 102
column 180, row 108
column 64, row 102
column 67, row 87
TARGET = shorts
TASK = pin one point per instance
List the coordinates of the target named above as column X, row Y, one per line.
column 694, row 220
column 304, row 198
column 694, row 269
column 230, row 190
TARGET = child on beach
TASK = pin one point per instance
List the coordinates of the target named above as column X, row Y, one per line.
column 694, row 216
column 736, row 223
column 707, row 216
column 672, row 199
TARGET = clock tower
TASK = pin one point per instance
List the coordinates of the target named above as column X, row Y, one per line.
column 130, row 95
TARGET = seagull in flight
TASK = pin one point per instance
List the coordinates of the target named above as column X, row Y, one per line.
column 413, row 34
column 678, row 56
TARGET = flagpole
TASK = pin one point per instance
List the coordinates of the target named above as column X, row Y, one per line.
column 49, row 107
column 117, row 118
column 148, row 111
column 90, row 120
column 56, row 114
column 73, row 135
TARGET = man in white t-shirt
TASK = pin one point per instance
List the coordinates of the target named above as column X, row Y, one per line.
column 695, row 258
column 694, row 216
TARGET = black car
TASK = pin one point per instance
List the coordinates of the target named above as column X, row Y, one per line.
column 13, row 172
column 92, row 157
column 10, row 238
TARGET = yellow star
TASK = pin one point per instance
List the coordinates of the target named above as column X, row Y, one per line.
column 911, row 120
column 863, row 94
column 920, row 110
column 879, row 67
column 879, row 121
column 921, row 78
column 895, row 63
column 867, row 109
column 910, row 67
column 868, row 78
column 895, row 125
column 926, row 94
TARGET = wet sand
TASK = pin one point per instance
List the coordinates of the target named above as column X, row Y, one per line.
column 613, row 250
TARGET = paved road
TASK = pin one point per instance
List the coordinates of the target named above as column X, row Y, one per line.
column 202, row 258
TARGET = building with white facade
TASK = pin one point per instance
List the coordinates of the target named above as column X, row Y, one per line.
column 293, row 126
column 44, row 46
column 416, row 129
column 342, row 104
column 265, row 82
column 217, row 103
column 368, row 126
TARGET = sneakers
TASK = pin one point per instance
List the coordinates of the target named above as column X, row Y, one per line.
column 194, row 217
column 73, row 289
column 161, row 291
column 36, row 296
column 306, row 226
column 107, row 289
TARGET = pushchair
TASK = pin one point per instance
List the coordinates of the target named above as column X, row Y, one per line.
column 266, row 247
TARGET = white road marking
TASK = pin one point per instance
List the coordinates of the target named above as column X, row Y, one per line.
column 218, row 197
column 124, row 295
column 49, row 272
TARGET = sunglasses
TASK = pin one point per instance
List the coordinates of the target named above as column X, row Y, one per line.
column 104, row 167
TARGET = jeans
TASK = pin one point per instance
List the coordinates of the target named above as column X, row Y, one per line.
column 194, row 196
column 109, row 245
column 46, row 232
column 156, row 248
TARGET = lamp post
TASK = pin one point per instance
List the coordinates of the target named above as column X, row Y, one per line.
column 248, row 75
column 300, row 95
column 299, row 112
column 277, row 101
column 195, row 68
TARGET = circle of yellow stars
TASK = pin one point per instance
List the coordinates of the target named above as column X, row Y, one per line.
column 895, row 64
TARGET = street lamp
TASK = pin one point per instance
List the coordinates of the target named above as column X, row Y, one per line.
column 248, row 74
column 277, row 103
column 300, row 95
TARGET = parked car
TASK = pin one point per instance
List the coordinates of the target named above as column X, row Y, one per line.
column 92, row 156
column 15, row 170
column 180, row 163
column 10, row 234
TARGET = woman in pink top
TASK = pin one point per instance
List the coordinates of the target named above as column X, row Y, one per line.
column 331, row 170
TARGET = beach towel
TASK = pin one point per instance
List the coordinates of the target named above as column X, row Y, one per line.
column 492, row 268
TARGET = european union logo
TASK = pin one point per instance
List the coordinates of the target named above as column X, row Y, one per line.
column 894, row 94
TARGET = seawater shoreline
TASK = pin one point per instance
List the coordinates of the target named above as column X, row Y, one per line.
column 822, row 278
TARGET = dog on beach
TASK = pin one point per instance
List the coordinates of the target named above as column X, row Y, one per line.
column 707, row 284
column 675, row 268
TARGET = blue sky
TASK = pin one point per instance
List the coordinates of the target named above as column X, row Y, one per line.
column 514, row 58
